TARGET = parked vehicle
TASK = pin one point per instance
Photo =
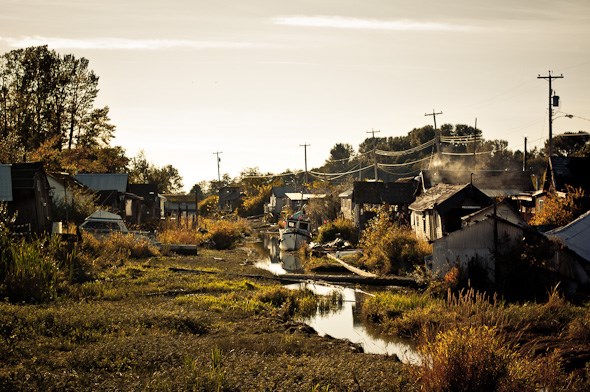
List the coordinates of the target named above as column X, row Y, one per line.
column 102, row 223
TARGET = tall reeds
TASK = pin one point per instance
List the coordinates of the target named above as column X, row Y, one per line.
column 29, row 272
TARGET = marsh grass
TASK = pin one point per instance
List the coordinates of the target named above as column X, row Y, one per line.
column 29, row 272
column 115, row 248
column 135, row 325
column 474, row 341
column 219, row 234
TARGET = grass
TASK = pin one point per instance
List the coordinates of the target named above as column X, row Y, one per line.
column 148, row 324
column 472, row 341
column 219, row 234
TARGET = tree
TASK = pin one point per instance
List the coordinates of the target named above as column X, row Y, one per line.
column 166, row 178
column 96, row 129
column 559, row 211
column 570, row 144
column 44, row 95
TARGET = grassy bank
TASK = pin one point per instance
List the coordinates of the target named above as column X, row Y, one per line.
column 470, row 341
column 179, row 323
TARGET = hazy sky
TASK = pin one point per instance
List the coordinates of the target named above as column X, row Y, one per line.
column 255, row 79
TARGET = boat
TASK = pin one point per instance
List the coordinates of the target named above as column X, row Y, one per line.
column 296, row 233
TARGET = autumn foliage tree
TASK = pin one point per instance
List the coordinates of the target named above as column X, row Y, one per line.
column 560, row 210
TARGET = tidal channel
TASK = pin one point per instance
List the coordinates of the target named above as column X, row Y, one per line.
column 342, row 323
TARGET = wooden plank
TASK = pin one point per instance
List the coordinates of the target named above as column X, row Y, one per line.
column 352, row 269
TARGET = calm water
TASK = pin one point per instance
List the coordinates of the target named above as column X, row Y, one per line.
column 342, row 323
column 273, row 259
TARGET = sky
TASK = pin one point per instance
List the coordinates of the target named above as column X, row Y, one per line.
column 257, row 79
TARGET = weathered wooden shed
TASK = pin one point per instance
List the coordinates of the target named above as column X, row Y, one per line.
column 230, row 198
column 152, row 203
column 572, row 260
column 112, row 190
column 438, row 211
column 367, row 195
column 25, row 189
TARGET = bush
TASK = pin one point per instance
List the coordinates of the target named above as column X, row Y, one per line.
column 225, row 234
column 465, row 359
column 390, row 248
column 209, row 205
column 115, row 248
column 254, row 204
column 344, row 227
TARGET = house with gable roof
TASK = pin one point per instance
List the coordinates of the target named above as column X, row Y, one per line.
column 365, row 196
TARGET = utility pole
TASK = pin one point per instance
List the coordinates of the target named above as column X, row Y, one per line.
column 550, row 77
column 474, row 142
column 373, row 132
column 436, row 133
column 524, row 157
column 305, row 145
column 218, row 160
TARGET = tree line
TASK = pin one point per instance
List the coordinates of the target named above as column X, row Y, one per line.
column 48, row 113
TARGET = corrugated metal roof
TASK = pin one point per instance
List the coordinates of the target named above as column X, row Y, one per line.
column 5, row 183
column 575, row 235
column 104, row 181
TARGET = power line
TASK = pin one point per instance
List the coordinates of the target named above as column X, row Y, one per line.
column 421, row 147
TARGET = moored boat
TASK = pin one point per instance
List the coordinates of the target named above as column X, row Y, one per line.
column 296, row 233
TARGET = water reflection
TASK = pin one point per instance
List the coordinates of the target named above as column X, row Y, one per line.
column 340, row 322
column 274, row 259
column 347, row 323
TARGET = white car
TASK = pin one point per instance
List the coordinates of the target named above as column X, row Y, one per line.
column 102, row 223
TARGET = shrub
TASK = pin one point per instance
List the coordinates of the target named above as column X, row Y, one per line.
column 181, row 236
column 115, row 248
column 465, row 359
column 343, row 227
column 209, row 205
column 224, row 234
column 390, row 248
column 254, row 204
column 81, row 205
